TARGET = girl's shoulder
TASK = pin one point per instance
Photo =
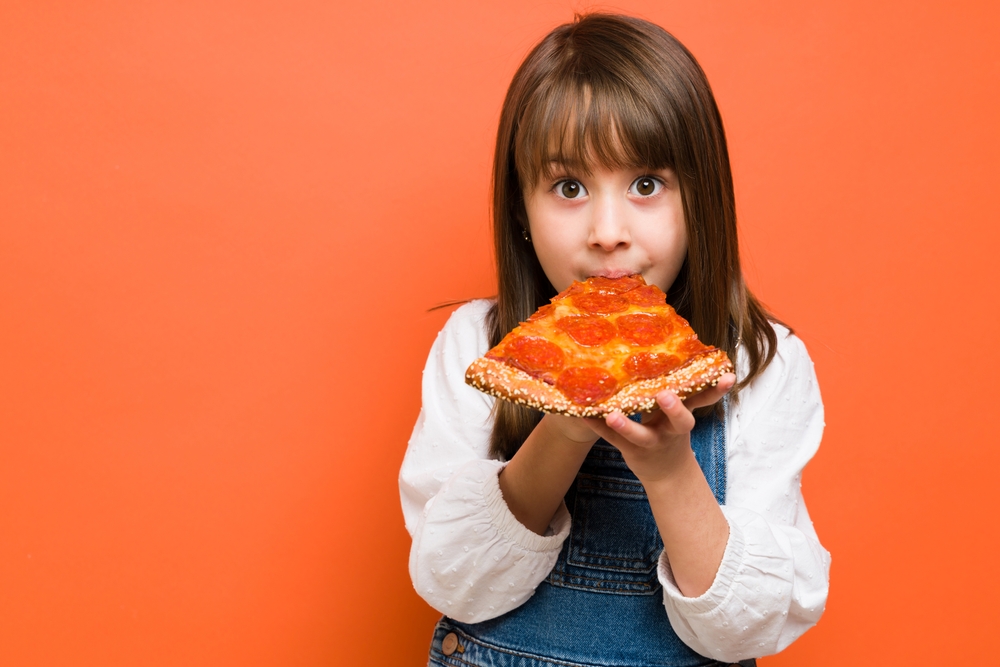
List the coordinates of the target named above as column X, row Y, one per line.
column 470, row 314
column 464, row 334
column 791, row 351
column 790, row 370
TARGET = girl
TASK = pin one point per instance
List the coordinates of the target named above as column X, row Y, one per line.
column 682, row 539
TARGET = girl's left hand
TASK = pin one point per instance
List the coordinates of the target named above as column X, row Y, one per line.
column 659, row 446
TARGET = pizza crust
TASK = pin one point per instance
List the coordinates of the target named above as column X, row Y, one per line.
column 503, row 381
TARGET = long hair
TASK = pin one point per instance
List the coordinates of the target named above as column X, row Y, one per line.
column 620, row 92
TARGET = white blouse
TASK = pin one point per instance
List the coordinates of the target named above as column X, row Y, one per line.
column 472, row 560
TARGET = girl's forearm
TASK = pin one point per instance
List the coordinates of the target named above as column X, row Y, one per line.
column 691, row 524
column 537, row 478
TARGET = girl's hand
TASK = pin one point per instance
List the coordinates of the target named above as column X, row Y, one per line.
column 659, row 453
column 661, row 444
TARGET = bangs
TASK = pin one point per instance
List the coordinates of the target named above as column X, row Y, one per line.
column 580, row 123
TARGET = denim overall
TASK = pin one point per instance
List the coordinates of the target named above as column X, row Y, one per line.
column 602, row 603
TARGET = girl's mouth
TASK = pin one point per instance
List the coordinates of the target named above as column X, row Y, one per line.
column 616, row 273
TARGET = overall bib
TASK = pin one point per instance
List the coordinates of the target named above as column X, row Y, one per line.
column 602, row 604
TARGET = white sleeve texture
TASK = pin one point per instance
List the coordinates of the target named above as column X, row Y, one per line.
column 470, row 558
column 772, row 583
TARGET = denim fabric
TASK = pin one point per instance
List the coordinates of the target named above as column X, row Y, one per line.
column 602, row 604
column 475, row 653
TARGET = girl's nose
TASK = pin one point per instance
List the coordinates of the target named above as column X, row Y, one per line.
column 609, row 225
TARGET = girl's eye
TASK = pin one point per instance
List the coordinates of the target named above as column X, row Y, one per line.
column 570, row 189
column 646, row 186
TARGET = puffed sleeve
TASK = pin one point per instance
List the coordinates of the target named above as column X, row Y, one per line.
column 772, row 583
column 470, row 558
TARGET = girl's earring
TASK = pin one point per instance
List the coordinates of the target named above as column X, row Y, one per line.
column 524, row 233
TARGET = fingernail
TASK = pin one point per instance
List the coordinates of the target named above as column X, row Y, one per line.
column 616, row 420
column 667, row 399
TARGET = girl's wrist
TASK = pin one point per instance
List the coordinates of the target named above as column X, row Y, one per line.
column 573, row 431
column 670, row 474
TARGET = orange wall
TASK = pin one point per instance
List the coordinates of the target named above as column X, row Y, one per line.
column 222, row 224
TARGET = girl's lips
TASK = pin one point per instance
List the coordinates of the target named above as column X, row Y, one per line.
column 616, row 273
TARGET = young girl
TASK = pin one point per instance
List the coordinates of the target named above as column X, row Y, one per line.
column 682, row 539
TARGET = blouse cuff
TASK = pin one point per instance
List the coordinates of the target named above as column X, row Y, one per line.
column 513, row 530
column 722, row 585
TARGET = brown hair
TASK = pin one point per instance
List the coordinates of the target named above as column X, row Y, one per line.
column 620, row 92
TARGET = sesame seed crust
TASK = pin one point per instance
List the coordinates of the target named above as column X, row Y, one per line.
column 503, row 381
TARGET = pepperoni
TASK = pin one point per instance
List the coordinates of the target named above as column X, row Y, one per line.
column 600, row 304
column 576, row 288
column 643, row 328
column 692, row 345
column 585, row 385
column 645, row 365
column 615, row 285
column 534, row 355
column 587, row 329
column 647, row 295
column 544, row 311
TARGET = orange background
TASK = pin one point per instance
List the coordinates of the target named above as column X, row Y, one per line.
column 222, row 227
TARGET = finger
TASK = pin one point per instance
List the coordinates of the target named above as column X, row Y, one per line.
column 617, row 426
column 651, row 419
column 680, row 417
column 712, row 394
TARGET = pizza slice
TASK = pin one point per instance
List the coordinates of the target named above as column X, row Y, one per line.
column 602, row 345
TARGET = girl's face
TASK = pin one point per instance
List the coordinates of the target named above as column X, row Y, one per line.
column 609, row 223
